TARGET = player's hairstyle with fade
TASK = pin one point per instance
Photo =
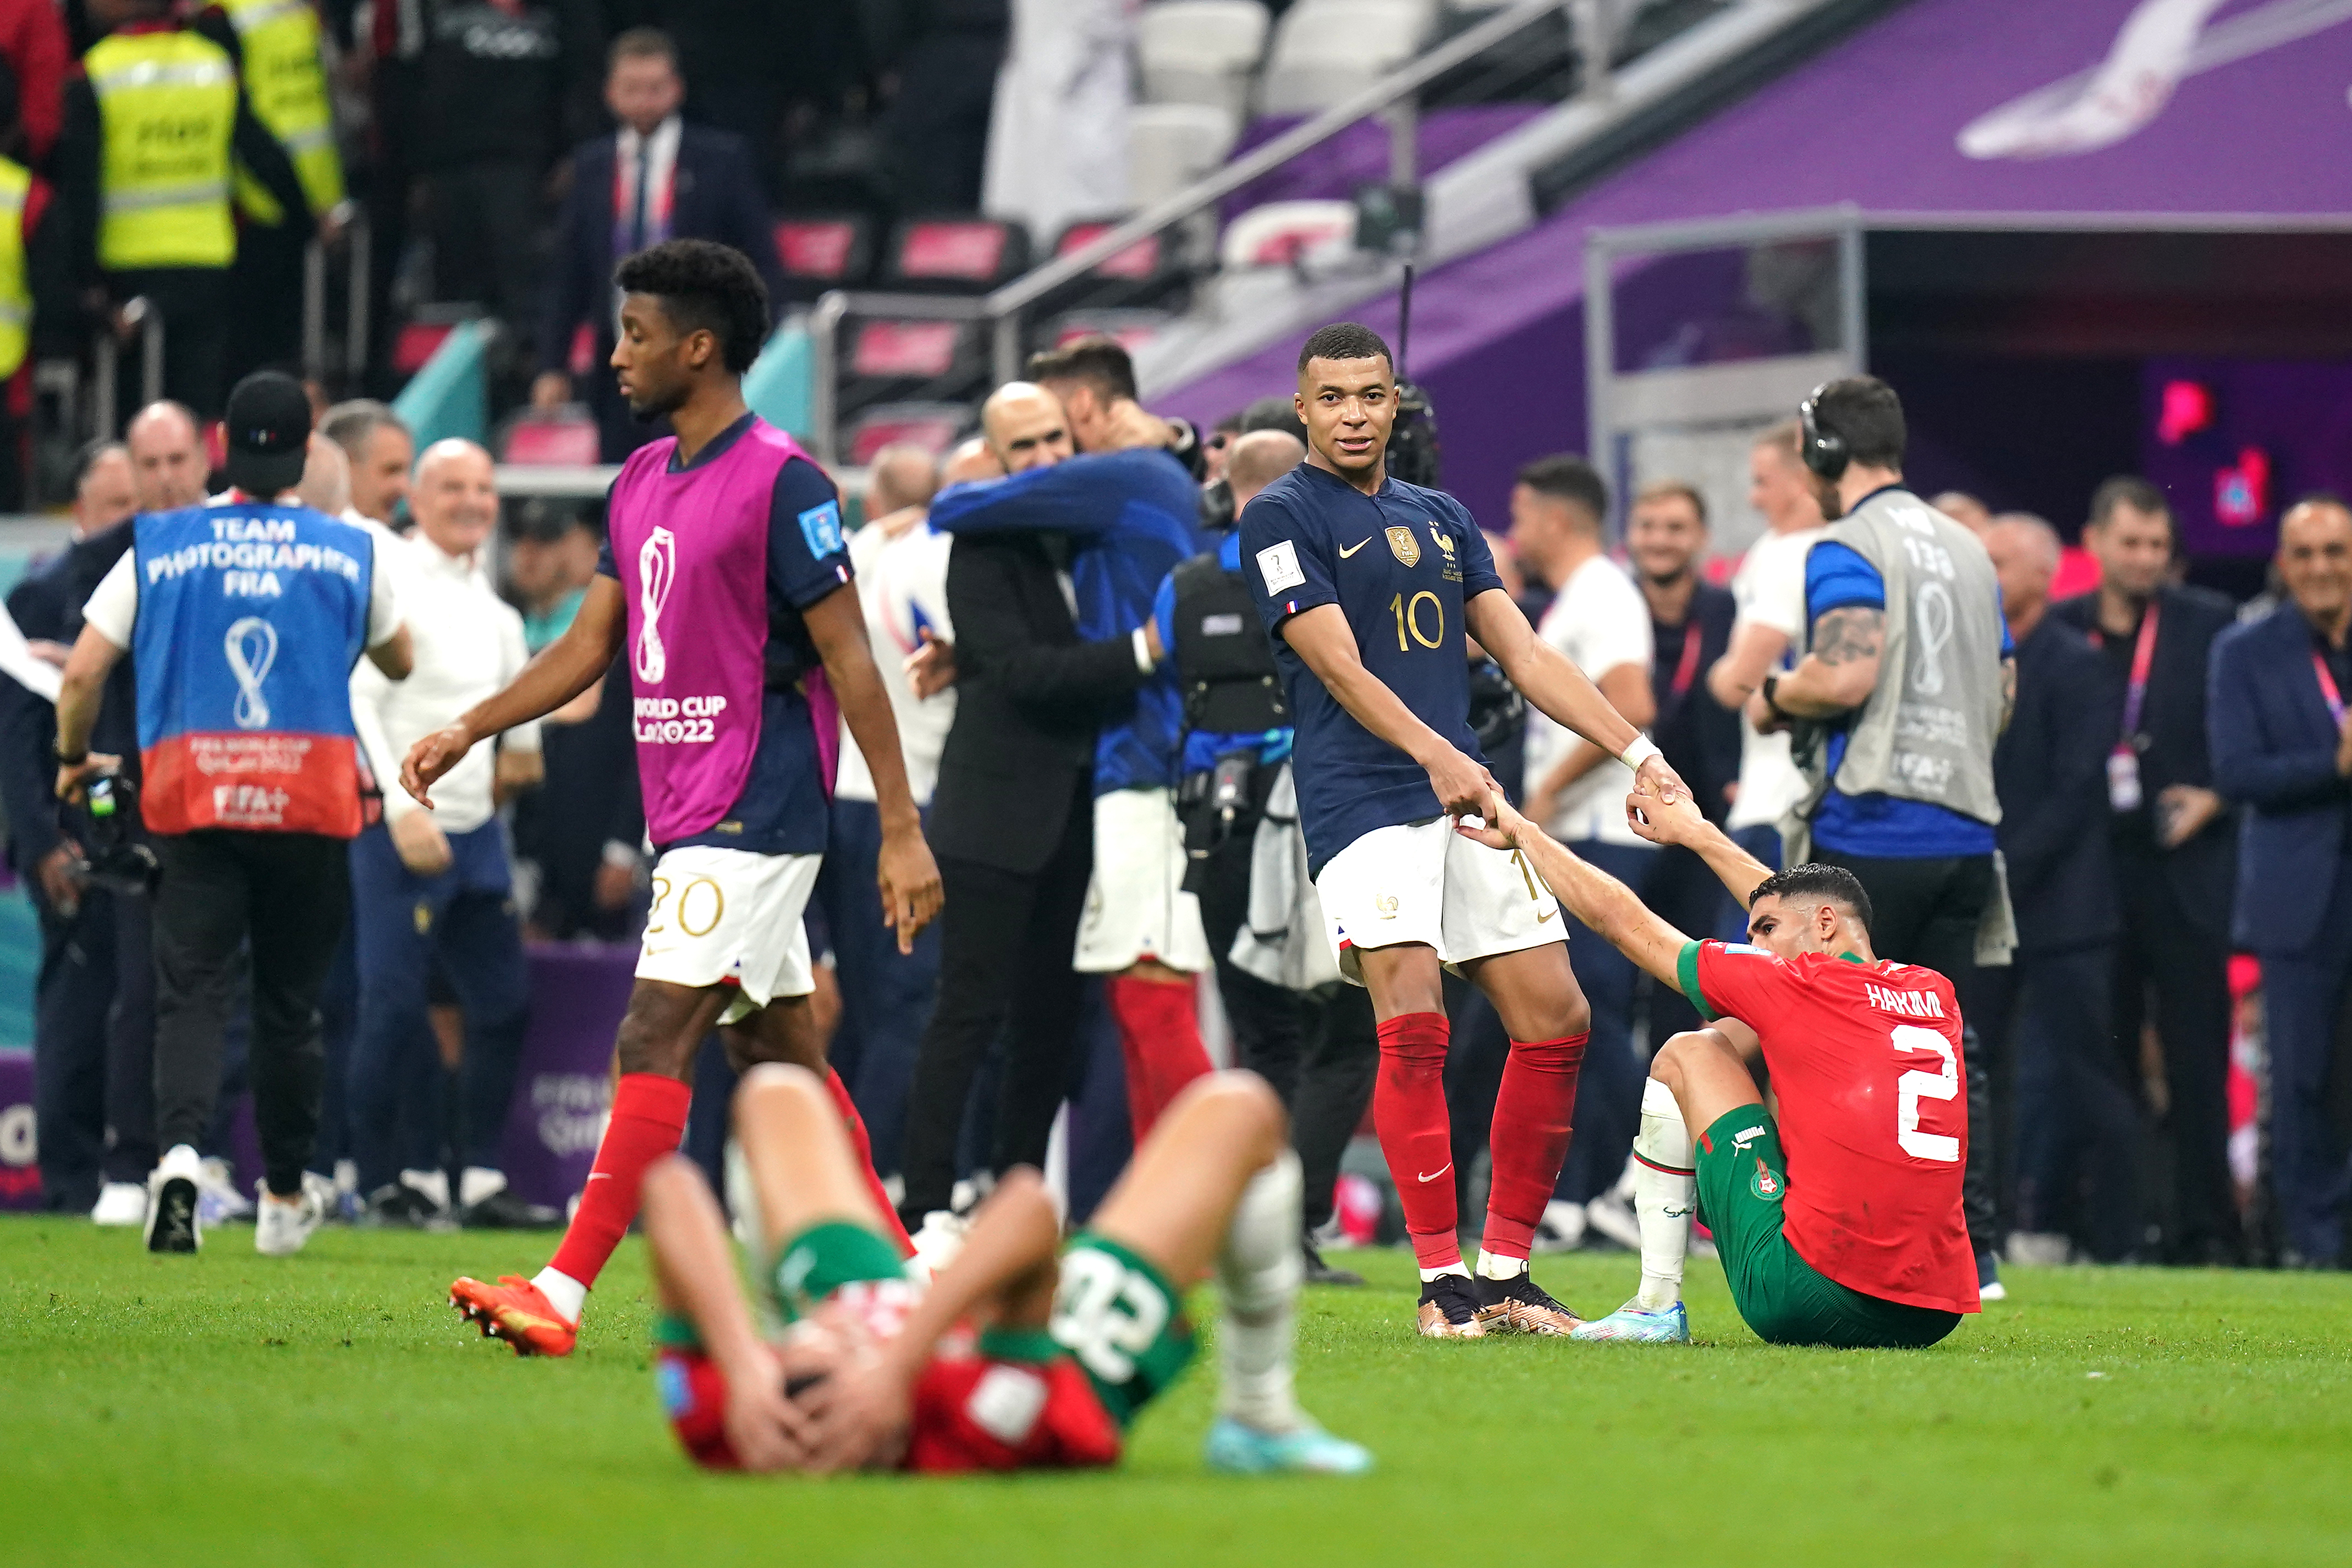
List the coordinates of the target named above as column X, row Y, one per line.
column 1568, row 477
column 1673, row 490
column 704, row 287
column 1345, row 340
column 2129, row 490
column 1828, row 883
column 642, row 44
column 1865, row 412
column 1095, row 361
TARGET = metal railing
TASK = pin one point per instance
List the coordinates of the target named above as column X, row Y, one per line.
column 1594, row 23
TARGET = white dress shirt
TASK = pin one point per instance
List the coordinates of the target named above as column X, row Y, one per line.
column 902, row 582
column 467, row 644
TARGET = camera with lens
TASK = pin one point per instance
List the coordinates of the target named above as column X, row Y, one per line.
column 105, row 825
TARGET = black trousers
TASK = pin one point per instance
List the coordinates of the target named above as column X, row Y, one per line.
column 288, row 894
column 2080, row 1124
column 485, row 227
column 265, row 291
column 1321, row 1053
column 1926, row 912
column 1006, row 944
column 2166, row 952
column 193, row 301
column 93, row 1046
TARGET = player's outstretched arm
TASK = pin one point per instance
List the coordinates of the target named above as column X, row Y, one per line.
column 860, row 1409
column 1593, row 895
column 908, row 877
column 1558, row 688
column 1323, row 638
column 694, row 1271
column 1681, row 823
column 562, row 671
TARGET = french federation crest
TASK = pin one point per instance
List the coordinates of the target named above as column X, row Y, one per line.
column 1404, row 546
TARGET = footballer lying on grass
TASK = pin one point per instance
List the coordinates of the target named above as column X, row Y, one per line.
column 1853, row 1237
column 1012, row 1357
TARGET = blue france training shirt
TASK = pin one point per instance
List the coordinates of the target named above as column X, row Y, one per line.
column 1401, row 565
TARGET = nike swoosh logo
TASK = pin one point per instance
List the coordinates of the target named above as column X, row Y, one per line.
column 1439, row 1171
column 600, row 1175
column 1540, row 919
column 1354, row 548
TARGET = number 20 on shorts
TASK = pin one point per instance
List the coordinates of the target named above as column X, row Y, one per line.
column 697, row 916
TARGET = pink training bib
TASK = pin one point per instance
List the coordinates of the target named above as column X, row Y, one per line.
column 691, row 550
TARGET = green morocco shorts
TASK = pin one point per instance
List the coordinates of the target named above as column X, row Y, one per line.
column 1742, row 1176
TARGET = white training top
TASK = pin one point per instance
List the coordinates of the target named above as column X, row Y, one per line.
column 1770, row 587
column 1599, row 621
column 898, row 580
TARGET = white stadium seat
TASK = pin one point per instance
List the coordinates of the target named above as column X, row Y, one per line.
column 1326, row 49
column 1170, row 145
column 1202, row 51
column 1281, row 233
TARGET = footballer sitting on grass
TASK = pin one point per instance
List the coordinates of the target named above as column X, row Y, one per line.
column 1839, row 1221
column 1019, row 1354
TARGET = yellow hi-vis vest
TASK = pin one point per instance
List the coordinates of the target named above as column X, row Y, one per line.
column 15, row 293
column 166, row 111
column 287, row 86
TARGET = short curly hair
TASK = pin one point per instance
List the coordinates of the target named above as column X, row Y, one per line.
column 704, row 287
column 1344, row 340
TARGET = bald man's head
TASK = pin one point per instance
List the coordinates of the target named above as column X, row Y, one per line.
column 1258, row 459
column 1026, row 426
column 902, row 474
column 972, row 460
column 167, row 457
column 326, row 484
column 456, row 498
column 2025, row 551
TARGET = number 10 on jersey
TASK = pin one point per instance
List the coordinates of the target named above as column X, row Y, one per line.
column 1408, row 614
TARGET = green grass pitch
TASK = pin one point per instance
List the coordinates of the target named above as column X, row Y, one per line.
column 329, row 1408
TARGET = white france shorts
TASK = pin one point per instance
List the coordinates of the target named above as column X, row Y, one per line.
column 1422, row 882
column 730, row 917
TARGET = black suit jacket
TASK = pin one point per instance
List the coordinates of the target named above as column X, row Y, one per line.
column 2274, row 745
column 2202, row 869
column 2051, row 770
column 1029, row 697
column 1699, row 736
column 715, row 194
column 48, row 604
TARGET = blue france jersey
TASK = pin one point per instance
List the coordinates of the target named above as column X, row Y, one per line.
column 1401, row 565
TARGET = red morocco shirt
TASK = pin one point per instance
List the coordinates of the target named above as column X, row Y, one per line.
column 1865, row 1060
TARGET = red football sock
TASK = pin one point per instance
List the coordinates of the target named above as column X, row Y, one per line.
column 648, row 1120
column 1530, row 1138
column 1159, row 1039
column 1408, row 1114
column 864, row 1146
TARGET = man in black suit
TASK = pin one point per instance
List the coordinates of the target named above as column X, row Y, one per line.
column 657, row 178
column 93, row 1061
column 1013, row 824
column 2075, row 1099
column 2175, row 844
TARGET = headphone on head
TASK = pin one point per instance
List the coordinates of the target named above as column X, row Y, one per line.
column 1823, row 449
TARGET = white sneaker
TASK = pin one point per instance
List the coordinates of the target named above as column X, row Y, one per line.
column 1561, row 1228
column 217, row 1199
column 173, row 1225
column 281, row 1225
column 938, row 1240
column 1613, row 1216
column 120, row 1203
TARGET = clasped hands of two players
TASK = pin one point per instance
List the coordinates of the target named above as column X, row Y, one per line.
column 904, row 870
column 1660, row 809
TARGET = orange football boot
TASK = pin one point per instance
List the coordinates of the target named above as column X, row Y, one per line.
column 517, row 1311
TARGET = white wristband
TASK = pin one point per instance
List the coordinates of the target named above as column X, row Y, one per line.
column 1640, row 751
column 1144, row 663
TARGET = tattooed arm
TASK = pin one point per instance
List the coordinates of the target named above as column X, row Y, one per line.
column 1835, row 677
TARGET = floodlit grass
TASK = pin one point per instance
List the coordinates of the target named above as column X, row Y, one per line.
column 329, row 1408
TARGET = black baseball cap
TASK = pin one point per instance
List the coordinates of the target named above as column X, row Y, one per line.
column 269, row 434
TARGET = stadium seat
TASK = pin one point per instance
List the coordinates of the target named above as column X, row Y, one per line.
column 1170, row 145
column 1282, row 233
column 821, row 253
column 955, row 255
column 1132, row 329
column 1202, row 51
column 1327, row 49
column 933, row 426
column 551, row 438
column 1146, row 259
column 898, row 359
